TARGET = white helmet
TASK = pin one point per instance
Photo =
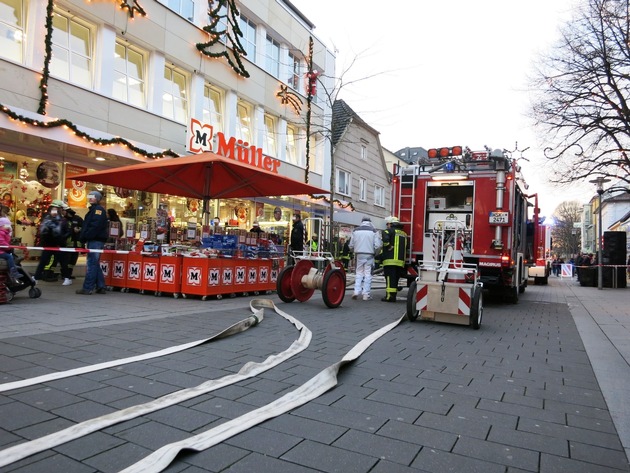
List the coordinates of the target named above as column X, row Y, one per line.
column 390, row 219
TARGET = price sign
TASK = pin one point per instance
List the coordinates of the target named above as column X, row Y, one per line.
column 499, row 218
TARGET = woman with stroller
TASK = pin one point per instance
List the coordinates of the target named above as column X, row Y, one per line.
column 6, row 233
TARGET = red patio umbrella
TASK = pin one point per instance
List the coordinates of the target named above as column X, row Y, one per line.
column 202, row 176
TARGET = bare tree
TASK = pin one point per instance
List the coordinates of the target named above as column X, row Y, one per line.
column 566, row 236
column 584, row 85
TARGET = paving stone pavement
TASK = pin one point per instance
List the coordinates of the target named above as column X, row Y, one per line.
column 541, row 387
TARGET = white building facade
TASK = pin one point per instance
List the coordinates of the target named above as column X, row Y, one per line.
column 95, row 85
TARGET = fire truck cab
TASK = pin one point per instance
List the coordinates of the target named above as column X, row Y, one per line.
column 482, row 190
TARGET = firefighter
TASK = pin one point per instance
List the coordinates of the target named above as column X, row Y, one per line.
column 393, row 256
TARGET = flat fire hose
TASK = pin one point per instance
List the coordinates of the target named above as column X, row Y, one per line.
column 250, row 369
column 313, row 388
column 231, row 330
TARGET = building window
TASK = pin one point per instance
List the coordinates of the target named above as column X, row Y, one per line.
column 213, row 107
column 222, row 24
column 362, row 189
column 379, row 196
column 272, row 57
column 244, row 122
column 269, row 144
column 343, row 182
column 71, row 50
column 184, row 8
column 12, row 29
column 295, row 72
column 364, row 152
column 174, row 96
column 292, row 145
column 129, row 75
column 249, row 37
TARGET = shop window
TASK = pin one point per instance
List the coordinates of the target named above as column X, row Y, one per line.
column 269, row 144
column 272, row 56
column 379, row 195
column 213, row 107
column 71, row 49
column 12, row 13
column 129, row 75
column 184, row 8
column 244, row 124
column 292, row 145
column 248, row 41
column 295, row 72
column 174, row 97
column 362, row 189
column 343, row 182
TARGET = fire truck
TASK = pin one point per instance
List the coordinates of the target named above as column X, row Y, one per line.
column 474, row 202
column 540, row 236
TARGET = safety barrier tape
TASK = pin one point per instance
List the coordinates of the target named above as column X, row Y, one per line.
column 70, row 250
column 250, row 369
column 313, row 388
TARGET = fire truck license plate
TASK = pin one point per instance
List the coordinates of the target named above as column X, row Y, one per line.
column 499, row 217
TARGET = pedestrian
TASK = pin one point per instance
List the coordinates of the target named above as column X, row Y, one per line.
column 6, row 232
column 365, row 242
column 256, row 228
column 346, row 252
column 94, row 235
column 76, row 223
column 54, row 231
column 393, row 257
column 296, row 242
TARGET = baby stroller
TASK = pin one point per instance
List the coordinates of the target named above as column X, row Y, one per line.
column 23, row 281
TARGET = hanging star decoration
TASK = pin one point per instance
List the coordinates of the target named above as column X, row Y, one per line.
column 232, row 34
column 133, row 8
column 286, row 96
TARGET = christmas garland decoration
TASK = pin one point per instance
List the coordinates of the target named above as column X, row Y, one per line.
column 135, row 7
column 347, row 205
column 237, row 47
column 81, row 134
column 309, row 100
column 43, row 83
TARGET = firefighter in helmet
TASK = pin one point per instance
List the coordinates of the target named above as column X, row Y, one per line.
column 394, row 255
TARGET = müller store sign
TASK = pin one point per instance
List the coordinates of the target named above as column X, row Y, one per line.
column 201, row 138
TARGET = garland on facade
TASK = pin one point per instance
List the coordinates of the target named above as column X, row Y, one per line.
column 233, row 40
column 62, row 122
column 131, row 9
column 309, row 100
column 343, row 205
column 43, row 83
column 288, row 97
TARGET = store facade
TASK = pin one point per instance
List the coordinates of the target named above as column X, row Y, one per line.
column 104, row 86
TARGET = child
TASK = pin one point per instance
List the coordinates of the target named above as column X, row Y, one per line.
column 5, row 240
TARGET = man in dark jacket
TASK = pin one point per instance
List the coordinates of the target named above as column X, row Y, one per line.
column 296, row 243
column 94, row 234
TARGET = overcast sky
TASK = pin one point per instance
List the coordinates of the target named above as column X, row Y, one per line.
column 445, row 73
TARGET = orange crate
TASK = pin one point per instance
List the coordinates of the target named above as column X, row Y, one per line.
column 170, row 277
column 118, row 271
column 150, row 273
column 194, row 276
column 134, row 271
column 240, row 275
column 106, row 266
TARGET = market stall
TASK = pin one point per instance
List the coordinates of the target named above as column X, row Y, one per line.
column 216, row 263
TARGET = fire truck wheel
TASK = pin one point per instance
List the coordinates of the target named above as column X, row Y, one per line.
column 412, row 311
column 334, row 288
column 283, row 285
column 522, row 287
column 476, row 309
column 511, row 294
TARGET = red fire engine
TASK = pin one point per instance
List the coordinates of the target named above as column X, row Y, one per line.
column 483, row 194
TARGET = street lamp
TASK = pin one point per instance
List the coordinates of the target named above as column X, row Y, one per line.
column 599, row 183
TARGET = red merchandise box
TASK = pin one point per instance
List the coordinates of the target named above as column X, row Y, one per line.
column 150, row 273
column 194, row 276
column 105, row 262
column 240, row 275
column 227, row 276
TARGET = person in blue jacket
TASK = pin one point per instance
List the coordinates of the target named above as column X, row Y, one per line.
column 94, row 234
